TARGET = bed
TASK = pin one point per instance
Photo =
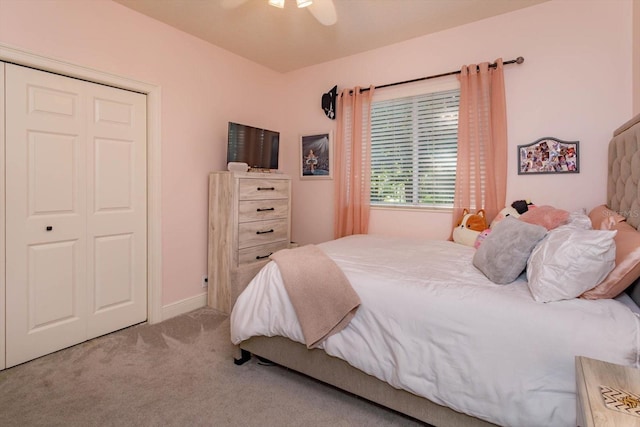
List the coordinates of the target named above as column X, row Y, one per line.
column 434, row 338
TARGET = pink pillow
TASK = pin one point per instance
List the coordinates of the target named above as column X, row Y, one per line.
column 603, row 218
column 627, row 268
column 546, row 216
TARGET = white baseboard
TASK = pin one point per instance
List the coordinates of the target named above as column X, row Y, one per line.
column 184, row 306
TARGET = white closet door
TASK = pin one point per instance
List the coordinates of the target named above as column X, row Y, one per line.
column 72, row 261
column 45, row 213
column 116, row 209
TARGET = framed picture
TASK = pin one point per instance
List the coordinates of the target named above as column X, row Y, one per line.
column 548, row 155
column 316, row 156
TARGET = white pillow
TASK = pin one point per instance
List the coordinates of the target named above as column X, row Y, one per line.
column 579, row 219
column 570, row 261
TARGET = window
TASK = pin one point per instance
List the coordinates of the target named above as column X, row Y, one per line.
column 414, row 150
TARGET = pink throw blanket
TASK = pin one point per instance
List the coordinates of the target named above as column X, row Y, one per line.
column 320, row 293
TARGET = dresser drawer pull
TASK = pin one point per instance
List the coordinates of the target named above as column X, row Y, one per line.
column 265, row 209
column 266, row 188
column 264, row 256
column 265, row 232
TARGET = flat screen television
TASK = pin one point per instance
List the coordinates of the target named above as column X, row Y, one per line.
column 254, row 146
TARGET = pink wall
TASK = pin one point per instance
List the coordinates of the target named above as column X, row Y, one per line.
column 203, row 87
column 574, row 85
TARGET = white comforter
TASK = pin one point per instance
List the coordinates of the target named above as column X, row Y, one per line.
column 432, row 324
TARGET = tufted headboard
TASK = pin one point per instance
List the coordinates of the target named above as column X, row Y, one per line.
column 623, row 184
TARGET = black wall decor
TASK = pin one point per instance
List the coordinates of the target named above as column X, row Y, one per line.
column 329, row 103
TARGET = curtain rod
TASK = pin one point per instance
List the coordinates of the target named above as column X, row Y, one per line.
column 518, row 60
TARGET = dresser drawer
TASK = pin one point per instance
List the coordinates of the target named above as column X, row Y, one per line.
column 261, row 232
column 259, row 253
column 256, row 210
column 260, row 189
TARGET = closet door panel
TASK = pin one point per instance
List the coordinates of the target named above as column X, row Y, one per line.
column 114, row 175
column 51, row 173
column 51, row 285
column 114, row 286
column 45, row 214
column 116, row 222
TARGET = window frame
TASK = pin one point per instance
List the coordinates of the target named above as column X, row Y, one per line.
column 405, row 91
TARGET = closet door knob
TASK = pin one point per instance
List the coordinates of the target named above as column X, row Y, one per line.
column 49, row 228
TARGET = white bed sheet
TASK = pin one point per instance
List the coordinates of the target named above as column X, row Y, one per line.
column 432, row 324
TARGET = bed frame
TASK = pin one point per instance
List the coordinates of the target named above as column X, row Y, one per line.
column 336, row 372
column 621, row 197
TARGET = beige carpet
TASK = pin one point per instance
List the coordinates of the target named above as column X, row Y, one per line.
column 177, row 373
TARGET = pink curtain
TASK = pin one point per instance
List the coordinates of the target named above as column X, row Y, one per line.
column 481, row 173
column 352, row 163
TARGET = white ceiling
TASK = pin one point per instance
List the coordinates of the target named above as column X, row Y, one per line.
column 291, row 38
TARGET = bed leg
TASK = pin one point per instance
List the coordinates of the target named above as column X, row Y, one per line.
column 245, row 356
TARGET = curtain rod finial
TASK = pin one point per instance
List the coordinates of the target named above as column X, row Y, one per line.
column 519, row 60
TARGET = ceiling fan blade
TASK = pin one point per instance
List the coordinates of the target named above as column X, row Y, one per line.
column 231, row 4
column 324, row 11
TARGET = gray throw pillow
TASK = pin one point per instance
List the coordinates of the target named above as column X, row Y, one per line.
column 504, row 253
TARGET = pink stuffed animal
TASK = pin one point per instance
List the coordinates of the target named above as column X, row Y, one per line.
column 481, row 237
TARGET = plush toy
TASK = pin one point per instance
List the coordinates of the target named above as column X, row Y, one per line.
column 516, row 209
column 469, row 227
column 508, row 211
column 483, row 235
column 521, row 206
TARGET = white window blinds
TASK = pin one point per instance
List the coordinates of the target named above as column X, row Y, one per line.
column 414, row 149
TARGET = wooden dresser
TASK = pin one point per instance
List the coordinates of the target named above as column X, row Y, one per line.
column 249, row 219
